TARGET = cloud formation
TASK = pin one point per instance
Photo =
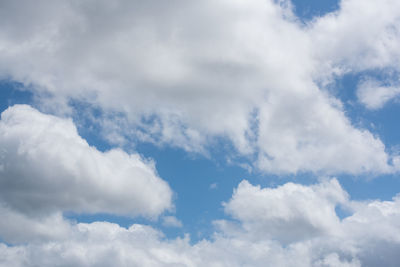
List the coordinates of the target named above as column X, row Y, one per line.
column 287, row 213
column 46, row 167
column 374, row 95
column 368, row 237
column 189, row 74
column 186, row 74
column 361, row 35
column 171, row 221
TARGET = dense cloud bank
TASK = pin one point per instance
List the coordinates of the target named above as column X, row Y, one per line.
column 186, row 73
column 291, row 225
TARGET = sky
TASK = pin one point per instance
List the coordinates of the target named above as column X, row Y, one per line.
column 200, row 133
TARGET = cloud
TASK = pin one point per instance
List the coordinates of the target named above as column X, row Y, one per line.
column 46, row 167
column 368, row 237
column 287, row 213
column 308, row 134
column 213, row 186
column 18, row 228
column 185, row 76
column 171, row 221
column 304, row 217
column 361, row 35
column 375, row 95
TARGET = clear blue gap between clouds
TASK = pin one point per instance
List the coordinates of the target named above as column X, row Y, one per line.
column 305, row 10
column 383, row 122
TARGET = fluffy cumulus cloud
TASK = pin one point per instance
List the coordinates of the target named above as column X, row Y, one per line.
column 190, row 74
column 187, row 73
column 289, row 212
column 368, row 237
column 46, row 167
column 361, row 35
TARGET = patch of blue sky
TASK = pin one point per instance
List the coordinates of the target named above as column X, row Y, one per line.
column 306, row 10
column 383, row 122
column 191, row 176
column 84, row 117
column 383, row 187
column 12, row 93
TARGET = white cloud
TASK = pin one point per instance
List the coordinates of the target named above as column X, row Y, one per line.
column 361, row 35
column 18, row 228
column 287, row 213
column 47, row 167
column 194, row 72
column 368, row 237
column 308, row 134
column 187, row 73
column 374, row 95
column 171, row 221
column 213, row 186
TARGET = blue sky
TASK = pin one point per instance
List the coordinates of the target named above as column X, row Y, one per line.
column 307, row 10
column 155, row 115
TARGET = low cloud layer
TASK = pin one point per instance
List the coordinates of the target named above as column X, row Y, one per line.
column 265, row 218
